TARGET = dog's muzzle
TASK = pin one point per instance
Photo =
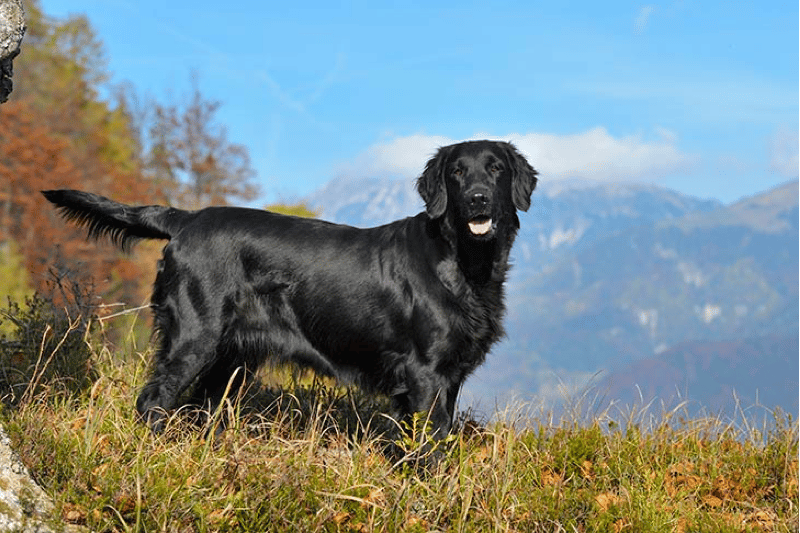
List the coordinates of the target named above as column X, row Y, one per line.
column 479, row 222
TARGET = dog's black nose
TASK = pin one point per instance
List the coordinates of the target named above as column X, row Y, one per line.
column 479, row 199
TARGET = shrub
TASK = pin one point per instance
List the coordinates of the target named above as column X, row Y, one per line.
column 47, row 347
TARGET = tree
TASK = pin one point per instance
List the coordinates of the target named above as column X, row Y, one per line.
column 57, row 132
column 191, row 156
column 33, row 157
column 298, row 210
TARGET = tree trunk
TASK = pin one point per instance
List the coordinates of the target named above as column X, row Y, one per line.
column 12, row 28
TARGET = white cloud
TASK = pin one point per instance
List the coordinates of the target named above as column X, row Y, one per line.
column 783, row 152
column 666, row 134
column 594, row 154
column 640, row 24
column 403, row 156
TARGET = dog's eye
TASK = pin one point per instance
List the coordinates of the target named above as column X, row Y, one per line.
column 458, row 172
column 495, row 168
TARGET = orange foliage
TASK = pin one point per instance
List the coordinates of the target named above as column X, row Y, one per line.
column 34, row 157
column 56, row 132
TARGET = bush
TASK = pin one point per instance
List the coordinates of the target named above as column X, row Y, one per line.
column 47, row 347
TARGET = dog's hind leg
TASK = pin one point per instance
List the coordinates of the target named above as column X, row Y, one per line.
column 175, row 370
column 227, row 378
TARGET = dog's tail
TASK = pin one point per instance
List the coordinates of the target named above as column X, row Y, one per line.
column 123, row 224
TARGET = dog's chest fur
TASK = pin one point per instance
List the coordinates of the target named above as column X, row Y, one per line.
column 477, row 324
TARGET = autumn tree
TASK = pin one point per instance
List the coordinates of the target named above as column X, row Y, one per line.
column 57, row 132
column 188, row 153
column 60, row 73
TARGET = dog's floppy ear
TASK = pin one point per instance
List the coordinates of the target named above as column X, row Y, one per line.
column 523, row 180
column 431, row 184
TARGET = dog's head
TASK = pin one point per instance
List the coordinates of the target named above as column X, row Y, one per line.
column 480, row 183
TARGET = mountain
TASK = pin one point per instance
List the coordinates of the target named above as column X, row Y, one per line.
column 611, row 278
column 760, row 371
column 564, row 214
column 646, row 287
column 366, row 202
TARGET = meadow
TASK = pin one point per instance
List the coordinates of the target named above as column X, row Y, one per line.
column 301, row 454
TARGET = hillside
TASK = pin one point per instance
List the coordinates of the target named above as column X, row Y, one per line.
column 309, row 460
column 309, row 456
column 608, row 275
column 758, row 371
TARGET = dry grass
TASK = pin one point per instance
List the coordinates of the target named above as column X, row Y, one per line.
column 311, row 459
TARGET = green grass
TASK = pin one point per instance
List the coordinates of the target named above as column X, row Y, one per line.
column 310, row 460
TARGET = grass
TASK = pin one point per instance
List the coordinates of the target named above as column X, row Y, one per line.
column 309, row 459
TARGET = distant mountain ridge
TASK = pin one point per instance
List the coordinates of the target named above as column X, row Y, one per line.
column 610, row 275
column 366, row 202
column 756, row 371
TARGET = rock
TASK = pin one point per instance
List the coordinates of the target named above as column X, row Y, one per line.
column 12, row 28
column 24, row 506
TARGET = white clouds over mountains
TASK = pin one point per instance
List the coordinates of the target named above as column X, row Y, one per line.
column 594, row 154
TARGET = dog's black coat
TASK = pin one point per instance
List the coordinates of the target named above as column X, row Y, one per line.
column 408, row 309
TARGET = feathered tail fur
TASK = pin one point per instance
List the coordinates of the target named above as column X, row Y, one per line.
column 122, row 224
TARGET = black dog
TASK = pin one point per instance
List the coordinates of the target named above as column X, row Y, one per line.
column 408, row 309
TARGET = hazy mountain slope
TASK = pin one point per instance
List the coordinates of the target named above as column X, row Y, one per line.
column 607, row 275
column 757, row 371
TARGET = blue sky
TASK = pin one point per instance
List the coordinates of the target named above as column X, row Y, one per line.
column 701, row 97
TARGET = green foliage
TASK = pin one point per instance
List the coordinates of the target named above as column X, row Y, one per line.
column 14, row 284
column 297, row 210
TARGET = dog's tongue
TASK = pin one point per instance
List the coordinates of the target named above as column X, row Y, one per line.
column 480, row 227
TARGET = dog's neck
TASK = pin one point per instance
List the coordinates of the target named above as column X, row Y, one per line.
column 477, row 261
column 482, row 263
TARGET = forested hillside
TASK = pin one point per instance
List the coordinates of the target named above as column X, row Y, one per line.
column 67, row 125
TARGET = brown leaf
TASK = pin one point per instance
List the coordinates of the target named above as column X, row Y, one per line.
column 763, row 520
column 587, row 470
column 621, row 525
column 711, row 501
column 341, row 517
column 414, row 520
column 74, row 514
column 606, row 500
column 125, row 502
column 551, row 478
